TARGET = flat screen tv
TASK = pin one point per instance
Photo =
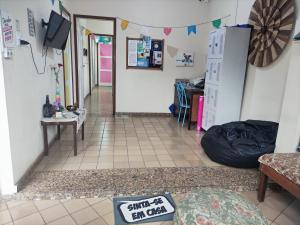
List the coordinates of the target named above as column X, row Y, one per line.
column 58, row 29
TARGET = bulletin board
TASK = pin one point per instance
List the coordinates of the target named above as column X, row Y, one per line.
column 144, row 53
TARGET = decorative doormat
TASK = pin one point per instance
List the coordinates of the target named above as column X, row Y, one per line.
column 141, row 209
column 125, row 182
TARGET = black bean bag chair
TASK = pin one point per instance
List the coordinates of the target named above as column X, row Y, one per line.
column 240, row 144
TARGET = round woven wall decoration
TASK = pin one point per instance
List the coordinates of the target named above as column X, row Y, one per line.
column 273, row 23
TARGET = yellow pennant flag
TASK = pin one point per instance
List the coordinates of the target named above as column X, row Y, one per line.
column 124, row 24
column 87, row 32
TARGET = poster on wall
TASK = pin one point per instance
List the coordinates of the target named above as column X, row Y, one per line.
column 132, row 53
column 145, row 53
column 142, row 60
column 7, row 30
column 185, row 59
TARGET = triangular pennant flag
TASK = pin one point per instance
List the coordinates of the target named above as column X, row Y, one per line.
column 172, row 51
column 167, row 31
column 217, row 23
column 124, row 24
column 192, row 29
column 52, row 1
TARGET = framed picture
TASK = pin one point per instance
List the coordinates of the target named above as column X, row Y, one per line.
column 144, row 53
column 185, row 59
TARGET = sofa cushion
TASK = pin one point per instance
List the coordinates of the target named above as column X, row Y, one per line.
column 286, row 164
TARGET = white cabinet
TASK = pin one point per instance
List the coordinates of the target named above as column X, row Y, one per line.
column 216, row 44
column 214, row 69
column 225, row 75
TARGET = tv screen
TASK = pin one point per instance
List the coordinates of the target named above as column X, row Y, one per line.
column 58, row 30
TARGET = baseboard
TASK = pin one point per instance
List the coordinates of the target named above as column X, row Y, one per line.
column 37, row 161
column 133, row 114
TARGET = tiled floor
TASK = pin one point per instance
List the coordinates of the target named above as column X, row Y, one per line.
column 126, row 142
column 122, row 143
column 279, row 208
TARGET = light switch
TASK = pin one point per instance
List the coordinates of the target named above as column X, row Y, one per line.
column 7, row 53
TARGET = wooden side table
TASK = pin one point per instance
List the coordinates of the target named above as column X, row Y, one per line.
column 76, row 121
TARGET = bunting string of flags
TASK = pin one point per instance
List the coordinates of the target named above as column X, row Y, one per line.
column 191, row 29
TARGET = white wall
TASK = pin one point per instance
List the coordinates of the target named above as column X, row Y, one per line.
column 151, row 91
column 25, row 89
column 6, row 170
column 265, row 87
column 100, row 26
column 289, row 126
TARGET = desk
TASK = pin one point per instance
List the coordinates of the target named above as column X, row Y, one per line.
column 193, row 95
column 70, row 119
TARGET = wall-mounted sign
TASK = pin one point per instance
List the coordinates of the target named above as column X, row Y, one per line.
column 7, row 25
column 31, row 23
column 185, row 59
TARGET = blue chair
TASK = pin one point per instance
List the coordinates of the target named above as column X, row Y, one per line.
column 183, row 102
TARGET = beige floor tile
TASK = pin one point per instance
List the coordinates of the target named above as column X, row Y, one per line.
column 269, row 212
column 120, row 158
column 93, row 201
column 164, row 157
column 152, row 164
column 22, row 210
column 121, row 165
column 167, row 163
column 90, row 159
column 182, row 163
column 104, row 207
column 54, row 166
column 92, row 153
column 44, row 204
column 105, row 165
column 5, row 217
column 84, row 216
column 135, row 158
column 67, row 220
column 284, row 220
column 137, row 164
column 34, row 219
column 109, row 218
column 93, row 148
column 150, row 158
column 279, row 201
column 293, row 212
column 251, row 196
column 196, row 163
column 98, row 221
column 53, row 213
column 71, row 166
column 14, row 203
column 75, row 205
column 88, row 166
column 3, row 206
column 106, row 157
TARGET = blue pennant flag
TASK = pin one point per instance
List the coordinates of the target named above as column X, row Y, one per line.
column 52, row 1
column 192, row 29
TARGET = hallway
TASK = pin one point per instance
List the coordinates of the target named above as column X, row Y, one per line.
column 100, row 102
column 125, row 142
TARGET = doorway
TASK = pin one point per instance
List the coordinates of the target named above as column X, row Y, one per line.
column 69, row 77
column 95, row 59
